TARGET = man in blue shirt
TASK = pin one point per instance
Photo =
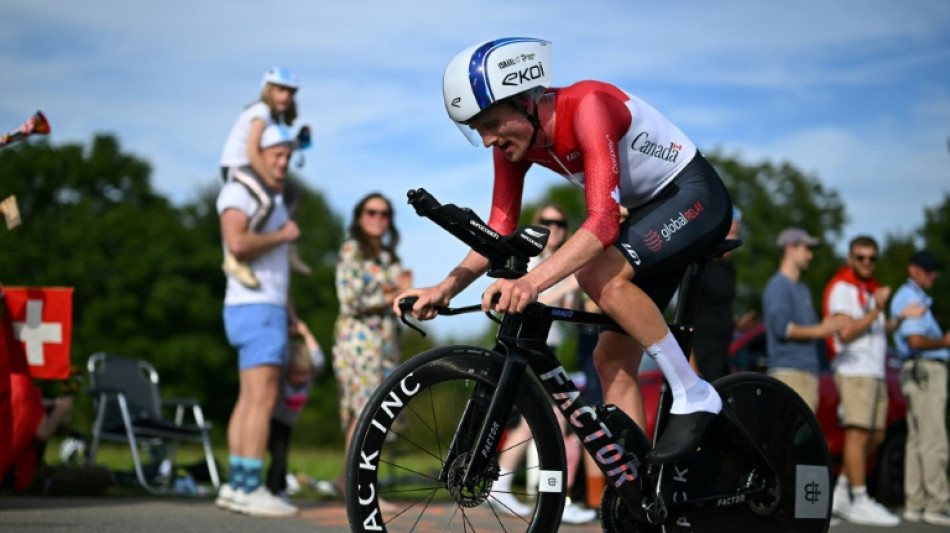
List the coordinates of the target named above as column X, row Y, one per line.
column 924, row 349
column 791, row 322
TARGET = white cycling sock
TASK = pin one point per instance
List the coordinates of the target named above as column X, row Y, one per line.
column 690, row 392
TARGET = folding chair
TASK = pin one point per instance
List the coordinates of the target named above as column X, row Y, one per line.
column 128, row 408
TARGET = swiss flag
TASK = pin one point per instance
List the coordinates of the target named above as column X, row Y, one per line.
column 43, row 323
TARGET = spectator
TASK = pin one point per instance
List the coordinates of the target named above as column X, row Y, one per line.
column 241, row 160
column 305, row 362
column 791, row 323
column 562, row 294
column 924, row 349
column 859, row 353
column 256, row 322
column 715, row 324
column 368, row 278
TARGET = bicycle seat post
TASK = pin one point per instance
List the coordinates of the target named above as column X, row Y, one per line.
column 687, row 304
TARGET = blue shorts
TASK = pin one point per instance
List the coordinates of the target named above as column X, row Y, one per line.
column 258, row 332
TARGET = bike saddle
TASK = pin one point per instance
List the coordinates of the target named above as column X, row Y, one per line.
column 681, row 437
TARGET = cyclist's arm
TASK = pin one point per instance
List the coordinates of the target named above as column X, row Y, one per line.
column 595, row 127
column 576, row 252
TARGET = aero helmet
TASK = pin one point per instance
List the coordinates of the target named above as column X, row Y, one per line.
column 486, row 73
column 280, row 76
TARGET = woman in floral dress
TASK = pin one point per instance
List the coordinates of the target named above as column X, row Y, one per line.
column 368, row 278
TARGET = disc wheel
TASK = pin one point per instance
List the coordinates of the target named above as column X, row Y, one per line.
column 796, row 499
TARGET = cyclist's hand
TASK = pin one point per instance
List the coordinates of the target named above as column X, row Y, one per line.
column 513, row 296
column 428, row 300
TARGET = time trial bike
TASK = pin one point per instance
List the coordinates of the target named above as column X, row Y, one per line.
column 424, row 454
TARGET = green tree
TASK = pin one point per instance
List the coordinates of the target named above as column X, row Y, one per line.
column 146, row 274
column 771, row 198
column 936, row 235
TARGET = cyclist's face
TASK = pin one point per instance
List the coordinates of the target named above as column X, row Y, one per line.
column 504, row 128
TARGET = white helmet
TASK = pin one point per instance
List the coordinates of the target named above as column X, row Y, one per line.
column 487, row 73
column 277, row 134
column 280, row 76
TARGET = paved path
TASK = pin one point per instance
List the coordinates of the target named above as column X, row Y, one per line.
column 181, row 515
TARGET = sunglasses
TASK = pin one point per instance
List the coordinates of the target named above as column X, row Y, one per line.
column 865, row 258
column 376, row 212
column 553, row 222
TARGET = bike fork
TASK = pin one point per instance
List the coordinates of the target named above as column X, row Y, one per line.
column 486, row 413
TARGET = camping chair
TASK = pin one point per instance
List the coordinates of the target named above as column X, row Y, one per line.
column 128, row 408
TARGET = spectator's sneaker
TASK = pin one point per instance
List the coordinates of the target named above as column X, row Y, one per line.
column 240, row 271
column 913, row 515
column 865, row 511
column 296, row 263
column 225, row 497
column 575, row 514
column 508, row 504
column 941, row 518
column 841, row 502
column 262, row 503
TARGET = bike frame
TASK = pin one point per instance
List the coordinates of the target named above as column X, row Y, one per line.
column 522, row 339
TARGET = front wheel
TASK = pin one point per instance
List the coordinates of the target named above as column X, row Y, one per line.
column 409, row 452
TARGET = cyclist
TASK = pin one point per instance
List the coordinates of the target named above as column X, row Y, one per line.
column 654, row 205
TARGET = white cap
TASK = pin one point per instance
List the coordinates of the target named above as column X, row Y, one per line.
column 276, row 134
column 280, row 76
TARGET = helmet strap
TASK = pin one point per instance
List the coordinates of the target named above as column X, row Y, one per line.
column 532, row 118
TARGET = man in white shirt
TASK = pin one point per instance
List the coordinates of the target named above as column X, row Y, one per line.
column 257, row 321
column 859, row 351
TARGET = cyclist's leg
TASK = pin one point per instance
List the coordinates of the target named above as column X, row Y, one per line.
column 695, row 403
column 617, row 370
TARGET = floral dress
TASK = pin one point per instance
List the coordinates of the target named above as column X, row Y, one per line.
column 366, row 333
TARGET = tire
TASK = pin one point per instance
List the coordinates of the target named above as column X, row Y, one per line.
column 787, row 432
column 401, row 442
column 887, row 485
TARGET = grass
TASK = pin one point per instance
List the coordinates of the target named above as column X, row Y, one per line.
column 316, row 463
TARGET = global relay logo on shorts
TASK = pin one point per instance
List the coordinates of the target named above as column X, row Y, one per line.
column 654, row 241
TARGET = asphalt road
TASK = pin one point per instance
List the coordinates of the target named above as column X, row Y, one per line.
column 45, row 514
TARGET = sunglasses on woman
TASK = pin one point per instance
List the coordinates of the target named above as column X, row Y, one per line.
column 376, row 212
column 561, row 223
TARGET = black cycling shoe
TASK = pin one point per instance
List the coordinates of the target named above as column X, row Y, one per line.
column 681, row 437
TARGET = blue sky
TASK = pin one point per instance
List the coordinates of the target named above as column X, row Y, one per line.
column 854, row 92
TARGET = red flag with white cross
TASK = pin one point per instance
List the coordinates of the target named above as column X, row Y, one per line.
column 43, row 323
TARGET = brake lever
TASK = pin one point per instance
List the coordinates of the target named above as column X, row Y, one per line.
column 405, row 306
column 494, row 300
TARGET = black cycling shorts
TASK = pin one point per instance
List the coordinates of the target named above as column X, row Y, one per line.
column 684, row 222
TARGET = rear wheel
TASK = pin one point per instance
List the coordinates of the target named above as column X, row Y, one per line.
column 788, row 434
column 407, row 461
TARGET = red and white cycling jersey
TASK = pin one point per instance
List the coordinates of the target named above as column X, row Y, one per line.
column 615, row 146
